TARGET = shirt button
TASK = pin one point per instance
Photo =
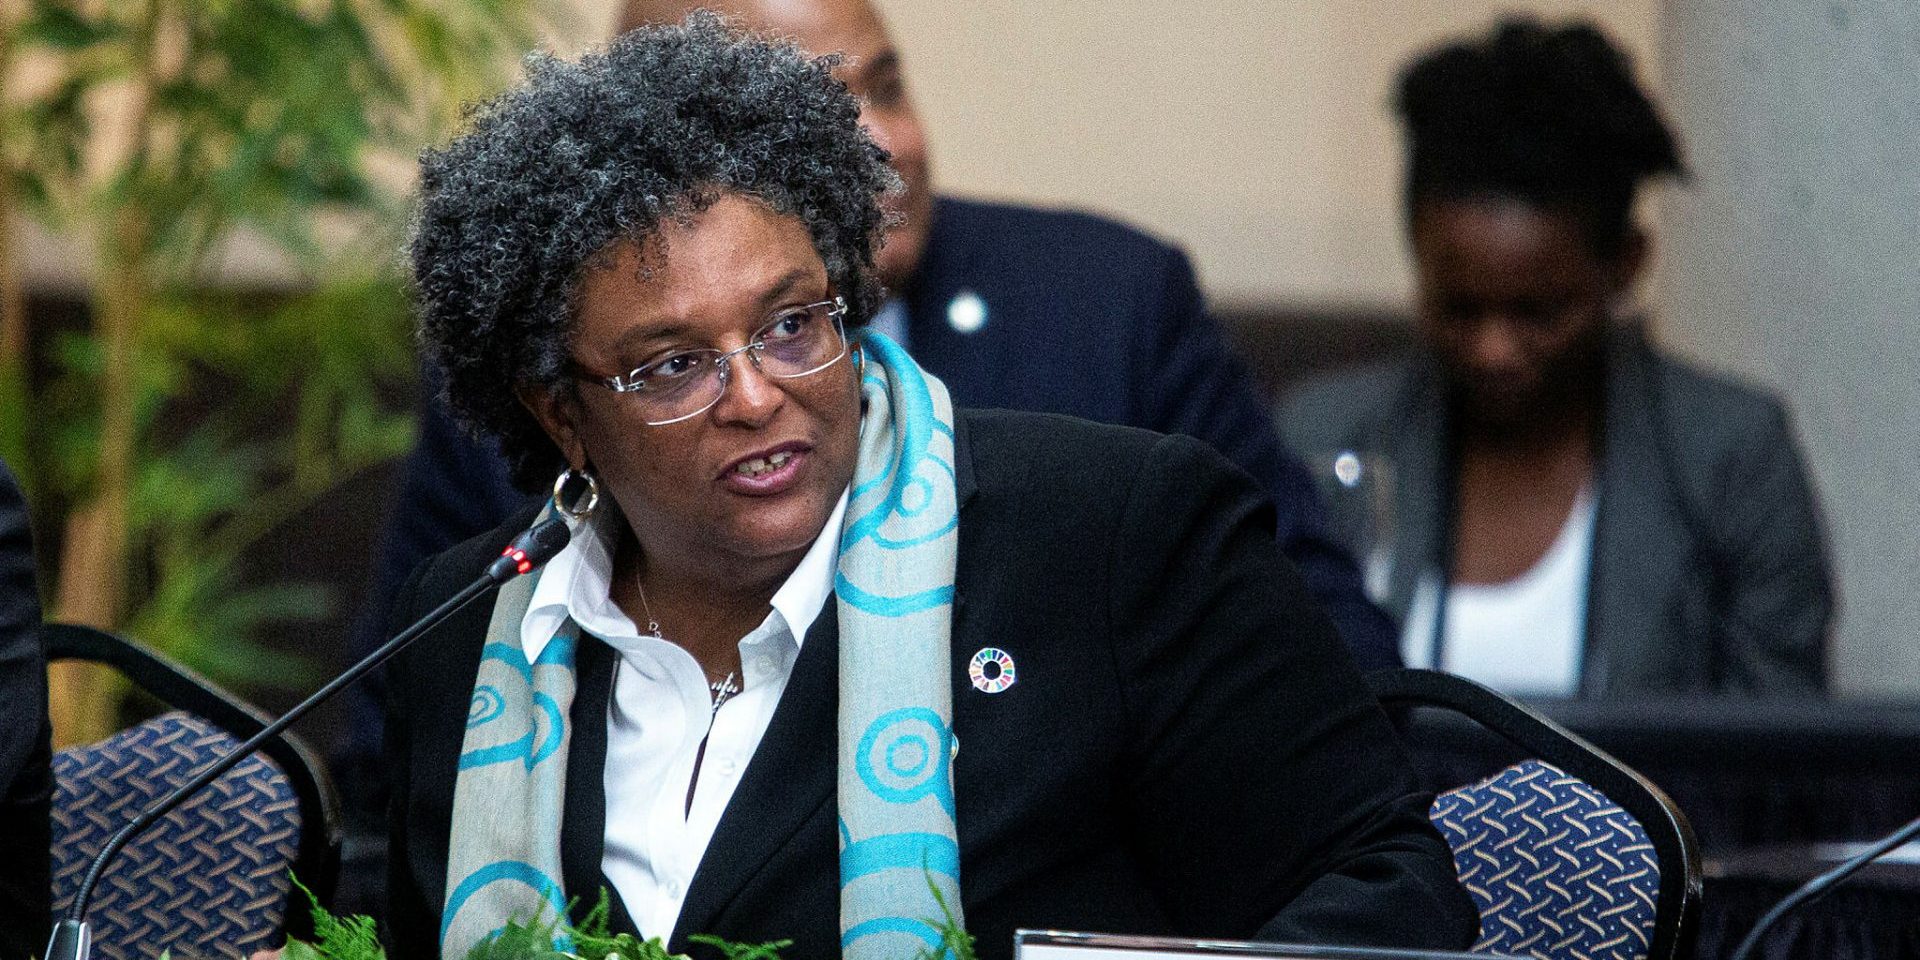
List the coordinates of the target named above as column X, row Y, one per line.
column 764, row 664
column 674, row 889
column 727, row 766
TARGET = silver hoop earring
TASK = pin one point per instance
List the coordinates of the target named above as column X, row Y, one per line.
column 583, row 505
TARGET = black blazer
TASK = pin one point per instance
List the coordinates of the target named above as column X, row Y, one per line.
column 1187, row 749
column 1091, row 318
column 26, row 778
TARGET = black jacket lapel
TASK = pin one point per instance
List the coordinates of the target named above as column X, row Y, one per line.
column 789, row 778
column 583, row 829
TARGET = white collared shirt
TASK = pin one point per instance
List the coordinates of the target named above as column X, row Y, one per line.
column 661, row 709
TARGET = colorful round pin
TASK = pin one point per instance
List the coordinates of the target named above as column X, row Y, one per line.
column 991, row 670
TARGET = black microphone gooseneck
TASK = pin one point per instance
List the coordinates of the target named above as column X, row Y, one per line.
column 71, row 938
column 1821, row 885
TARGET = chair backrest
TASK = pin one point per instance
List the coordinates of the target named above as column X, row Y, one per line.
column 208, row 880
column 211, row 878
column 1570, row 854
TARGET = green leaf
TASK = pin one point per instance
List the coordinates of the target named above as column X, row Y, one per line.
column 955, row 941
column 743, row 951
column 338, row 938
column 202, row 613
column 31, row 188
column 300, row 950
column 521, row 940
column 63, row 28
column 248, row 406
column 355, row 938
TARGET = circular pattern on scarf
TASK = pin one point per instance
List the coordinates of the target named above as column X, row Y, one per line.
column 486, row 705
column 991, row 670
column 904, row 756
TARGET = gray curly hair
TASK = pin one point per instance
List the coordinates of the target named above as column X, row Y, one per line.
column 582, row 156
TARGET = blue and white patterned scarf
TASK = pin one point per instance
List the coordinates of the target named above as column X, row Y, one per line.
column 894, row 590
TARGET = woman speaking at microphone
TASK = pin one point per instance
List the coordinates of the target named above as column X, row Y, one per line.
column 821, row 643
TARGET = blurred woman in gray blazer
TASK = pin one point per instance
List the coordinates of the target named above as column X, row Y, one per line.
column 1575, row 513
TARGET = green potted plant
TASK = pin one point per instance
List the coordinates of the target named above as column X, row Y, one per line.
column 188, row 419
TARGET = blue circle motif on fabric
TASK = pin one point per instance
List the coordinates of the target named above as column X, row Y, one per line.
column 920, row 929
column 992, row 670
column 487, row 705
column 917, row 496
column 923, row 729
column 906, row 495
column 540, row 741
column 916, row 748
column 508, row 872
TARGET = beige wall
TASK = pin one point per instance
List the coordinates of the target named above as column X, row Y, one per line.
column 1253, row 132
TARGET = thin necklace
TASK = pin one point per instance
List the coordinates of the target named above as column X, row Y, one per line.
column 653, row 626
column 722, row 689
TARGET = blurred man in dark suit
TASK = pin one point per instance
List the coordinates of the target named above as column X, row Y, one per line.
column 26, row 780
column 1011, row 307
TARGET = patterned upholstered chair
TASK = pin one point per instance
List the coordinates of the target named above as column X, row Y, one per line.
column 1569, row 854
column 211, row 878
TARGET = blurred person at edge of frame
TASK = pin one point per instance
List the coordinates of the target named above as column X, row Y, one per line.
column 1578, row 513
column 823, row 642
column 26, row 775
column 993, row 299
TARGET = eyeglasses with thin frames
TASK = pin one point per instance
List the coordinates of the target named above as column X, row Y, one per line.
column 795, row 343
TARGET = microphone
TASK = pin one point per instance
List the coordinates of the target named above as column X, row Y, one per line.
column 72, row 940
column 1821, row 885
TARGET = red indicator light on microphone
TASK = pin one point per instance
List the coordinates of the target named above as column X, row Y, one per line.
column 519, row 557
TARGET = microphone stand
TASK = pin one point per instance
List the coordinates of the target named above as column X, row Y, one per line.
column 73, row 940
column 1821, row 885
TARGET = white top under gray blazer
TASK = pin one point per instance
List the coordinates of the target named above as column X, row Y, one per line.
column 1709, row 570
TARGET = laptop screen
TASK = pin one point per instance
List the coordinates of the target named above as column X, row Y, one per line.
column 1062, row 945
